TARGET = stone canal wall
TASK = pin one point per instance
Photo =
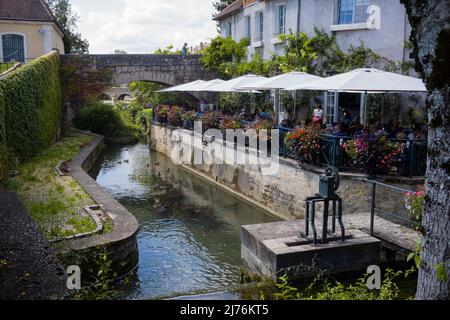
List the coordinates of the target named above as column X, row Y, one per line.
column 121, row 242
column 282, row 194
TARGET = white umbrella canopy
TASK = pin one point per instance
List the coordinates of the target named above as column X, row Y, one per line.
column 204, row 87
column 282, row 81
column 365, row 80
column 187, row 87
column 233, row 84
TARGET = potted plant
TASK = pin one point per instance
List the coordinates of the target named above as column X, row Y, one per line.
column 174, row 116
column 161, row 113
column 188, row 119
column 211, row 120
column 374, row 154
column 231, row 123
column 304, row 143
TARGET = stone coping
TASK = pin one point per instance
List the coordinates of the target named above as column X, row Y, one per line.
column 125, row 224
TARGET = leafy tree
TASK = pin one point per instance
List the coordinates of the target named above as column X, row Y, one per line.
column 299, row 53
column 68, row 21
column 431, row 38
column 219, row 5
column 147, row 94
column 224, row 54
column 167, row 50
column 357, row 57
column 328, row 51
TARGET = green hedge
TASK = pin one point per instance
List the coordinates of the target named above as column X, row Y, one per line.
column 30, row 110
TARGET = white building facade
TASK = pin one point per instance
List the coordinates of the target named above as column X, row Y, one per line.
column 381, row 25
column 262, row 21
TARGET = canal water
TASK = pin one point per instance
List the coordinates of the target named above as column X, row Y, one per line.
column 189, row 237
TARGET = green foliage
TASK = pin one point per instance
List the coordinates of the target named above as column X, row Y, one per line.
column 334, row 290
column 68, row 21
column 5, row 67
column 224, row 55
column 30, row 109
column 317, row 55
column 357, row 57
column 146, row 94
column 299, row 53
column 54, row 202
column 414, row 203
column 103, row 281
column 219, row 5
column 106, row 120
column 167, row 50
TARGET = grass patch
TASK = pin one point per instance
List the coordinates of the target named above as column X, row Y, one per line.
column 55, row 203
column 5, row 67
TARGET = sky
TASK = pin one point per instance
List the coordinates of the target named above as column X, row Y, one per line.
column 142, row 26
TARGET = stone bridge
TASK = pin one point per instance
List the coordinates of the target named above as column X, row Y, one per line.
column 94, row 74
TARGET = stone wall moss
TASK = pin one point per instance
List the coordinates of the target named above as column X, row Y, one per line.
column 30, row 110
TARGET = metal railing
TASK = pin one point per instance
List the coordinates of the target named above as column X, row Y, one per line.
column 396, row 216
column 411, row 162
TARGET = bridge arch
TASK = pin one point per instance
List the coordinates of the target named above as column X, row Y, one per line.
column 94, row 74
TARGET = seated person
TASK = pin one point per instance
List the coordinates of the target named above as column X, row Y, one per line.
column 401, row 136
column 347, row 118
column 378, row 131
column 264, row 115
column 339, row 130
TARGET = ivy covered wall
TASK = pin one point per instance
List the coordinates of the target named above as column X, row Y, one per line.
column 30, row 110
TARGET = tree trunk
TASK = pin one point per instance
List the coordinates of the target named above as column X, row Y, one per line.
column 430, row 21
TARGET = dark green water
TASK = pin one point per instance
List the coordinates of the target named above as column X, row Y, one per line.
column 189, row 238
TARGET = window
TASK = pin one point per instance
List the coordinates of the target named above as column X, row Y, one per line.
column 249, row 27
column 281, row 21
column 13, row 48
column 331, row 101
column 259, row 26
column 352, row 11
column 227, row 31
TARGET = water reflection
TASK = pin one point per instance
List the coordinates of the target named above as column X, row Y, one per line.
column 189, row 238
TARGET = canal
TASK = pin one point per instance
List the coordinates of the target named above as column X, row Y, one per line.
column 189, row 237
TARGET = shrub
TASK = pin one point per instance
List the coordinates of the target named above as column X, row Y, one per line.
column 100, row 118
column 375, row 154
column 304, row 142
column 211, row 120
column 414, row 202
column 161, row 113
column 30, row 110
column 231, row 123
column 174, row 116
column 188, row 119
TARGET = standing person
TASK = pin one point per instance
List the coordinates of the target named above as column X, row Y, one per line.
column 202, row 104
column 318, row 115
column 184, row 50
column 347, row 118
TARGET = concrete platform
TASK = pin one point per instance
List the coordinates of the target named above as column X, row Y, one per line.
column 275, row 249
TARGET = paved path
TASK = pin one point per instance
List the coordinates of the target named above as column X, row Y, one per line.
column 385, row 230
column 29, row 269
column 390, row 233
